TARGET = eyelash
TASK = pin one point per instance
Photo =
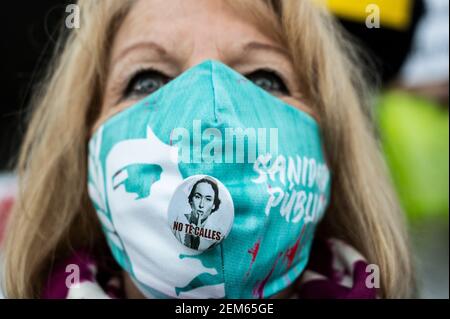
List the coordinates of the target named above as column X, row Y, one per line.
column 128, row 91
column 283, row 90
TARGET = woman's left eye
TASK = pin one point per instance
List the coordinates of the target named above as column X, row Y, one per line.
column 270, row 81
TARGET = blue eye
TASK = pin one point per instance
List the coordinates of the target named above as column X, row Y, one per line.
column 268, row 80
column 145, row 83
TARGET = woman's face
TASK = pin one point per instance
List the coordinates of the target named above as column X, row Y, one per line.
column 159, row 39
column 203, row 200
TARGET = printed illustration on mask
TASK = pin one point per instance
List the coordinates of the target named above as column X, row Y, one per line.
column 142, row 181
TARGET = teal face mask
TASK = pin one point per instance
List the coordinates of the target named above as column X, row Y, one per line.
column 209, row 188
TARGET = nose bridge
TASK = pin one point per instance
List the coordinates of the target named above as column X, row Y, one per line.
column 205, row 47
column 202, row 56
column 201, row 201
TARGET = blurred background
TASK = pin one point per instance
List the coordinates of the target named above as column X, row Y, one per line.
column 408, row 41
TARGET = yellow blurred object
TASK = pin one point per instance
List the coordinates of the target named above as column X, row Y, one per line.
column 414, row 132
column 395, row 14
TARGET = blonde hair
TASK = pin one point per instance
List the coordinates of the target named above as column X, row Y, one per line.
column 53, row 215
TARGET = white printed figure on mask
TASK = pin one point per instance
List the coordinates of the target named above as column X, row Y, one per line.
column 147, row 230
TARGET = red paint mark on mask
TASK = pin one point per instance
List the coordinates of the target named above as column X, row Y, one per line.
column 258, row 290
column 254, row 252
column 292, row 251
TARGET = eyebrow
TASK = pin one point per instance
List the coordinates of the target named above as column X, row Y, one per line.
column 150, row 45
column 161, row 51
column 253, row 46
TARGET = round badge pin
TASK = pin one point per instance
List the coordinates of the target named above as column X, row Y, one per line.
column 201, row 212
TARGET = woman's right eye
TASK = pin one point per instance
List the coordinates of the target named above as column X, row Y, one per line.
column 145, row 83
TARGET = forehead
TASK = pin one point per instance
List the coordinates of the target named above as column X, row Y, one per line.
column 204, row 188
column 183, row 26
